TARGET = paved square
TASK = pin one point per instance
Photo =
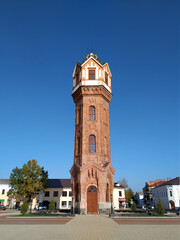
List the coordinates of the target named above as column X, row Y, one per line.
column 89, row 227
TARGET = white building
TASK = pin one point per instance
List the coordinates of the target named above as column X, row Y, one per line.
column 4, row 188
column 139, row 199
column 58, row 190
column 119, row 200
column 169, row 193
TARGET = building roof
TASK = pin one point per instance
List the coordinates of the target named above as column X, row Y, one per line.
column 117, row 185
column 157, row 182
column 95, row 56
column 4, row 181
column 174, row 181
column 59, row 183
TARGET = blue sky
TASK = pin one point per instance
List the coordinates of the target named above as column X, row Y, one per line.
column 40, row 43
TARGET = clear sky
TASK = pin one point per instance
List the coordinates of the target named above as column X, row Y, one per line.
column 40, row 43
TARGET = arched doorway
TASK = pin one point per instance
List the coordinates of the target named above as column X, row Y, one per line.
column 92, row 199
column 172, row 204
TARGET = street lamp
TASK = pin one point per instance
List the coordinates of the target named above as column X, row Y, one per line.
column 111, row 205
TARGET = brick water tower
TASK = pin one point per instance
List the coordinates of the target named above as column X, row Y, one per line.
column 92, row 174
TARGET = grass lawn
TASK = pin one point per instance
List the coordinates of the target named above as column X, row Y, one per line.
column 35, row 215
column 131, row 216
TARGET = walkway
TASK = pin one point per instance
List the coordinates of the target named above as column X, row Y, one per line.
column 89, row 227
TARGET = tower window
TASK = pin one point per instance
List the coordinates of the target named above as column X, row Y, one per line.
column 92, row 113
column 78, row 145
column 77, row 78
column 106, row 78
column 92, row 74
column 92, row 144
column 79, row 112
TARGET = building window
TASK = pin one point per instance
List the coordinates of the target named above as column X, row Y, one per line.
column 64, row 204
column 120, row 194
column 70, row 193
column 69, row 203
column 78, row 145
column 79, row 114
column 55, row 194
column 170, row 193
column 92, row 74
column 46, row 194
column 64, row 193
column 77, row 78
column 3, row 191
column 92, row 144
column 106, row 78
column 92, row 113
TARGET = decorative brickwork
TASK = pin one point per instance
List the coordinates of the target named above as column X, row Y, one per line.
column 92, row 156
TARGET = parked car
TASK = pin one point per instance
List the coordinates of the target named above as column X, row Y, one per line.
column 2, row 207
column 42, row 207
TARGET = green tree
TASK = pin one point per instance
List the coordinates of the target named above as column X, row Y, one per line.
column 129, row 195
column 160, row 209
column 123, row 182
column 28, row 180
column 133, row 207
column 24, row 207
column 52, row 205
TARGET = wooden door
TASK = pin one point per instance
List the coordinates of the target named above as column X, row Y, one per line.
column 92, row 200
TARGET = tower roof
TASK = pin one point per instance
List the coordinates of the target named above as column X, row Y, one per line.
column 95, row 56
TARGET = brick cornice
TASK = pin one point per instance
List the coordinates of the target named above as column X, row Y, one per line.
column 91, row 90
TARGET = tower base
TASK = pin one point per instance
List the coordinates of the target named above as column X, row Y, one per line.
column 102, row 208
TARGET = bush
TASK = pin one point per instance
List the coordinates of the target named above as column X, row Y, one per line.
column 160, row 209
column 52, row 205
column 24, row 207
column 133, row 207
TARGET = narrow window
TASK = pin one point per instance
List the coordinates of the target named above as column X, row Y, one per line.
column 64, row 193
column 77, row 78
column 46, row 194
column 120, row 194
column 79, row 114
column 92, row 113
column 3, row 191
column 106, row 78
column 78, row 145
column 64, row 203
column 170, row 193
column 92, row 74
column 55, row 194
column 70, row 193
column 92, row 144
column 69, row 203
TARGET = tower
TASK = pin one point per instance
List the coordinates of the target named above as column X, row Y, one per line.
column 92, row 175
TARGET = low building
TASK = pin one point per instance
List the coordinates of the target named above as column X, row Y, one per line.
column 4, row 188
column 139, row 199
column 168, row 193
column 119, row 200
column 58, row 190
column 148, row 200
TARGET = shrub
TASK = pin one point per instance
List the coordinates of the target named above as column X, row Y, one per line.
column 160, row 209
column 133, row 207
column 24, row 207
column 52, row 205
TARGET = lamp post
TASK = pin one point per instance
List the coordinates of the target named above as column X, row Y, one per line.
column 111, row 205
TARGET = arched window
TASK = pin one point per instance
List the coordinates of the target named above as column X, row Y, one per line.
column 92, row 113
column 92, row 144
